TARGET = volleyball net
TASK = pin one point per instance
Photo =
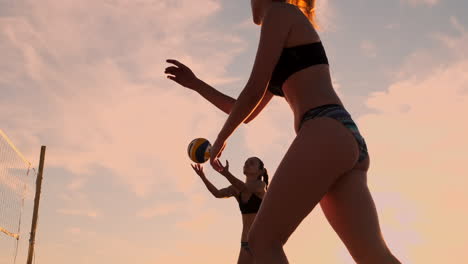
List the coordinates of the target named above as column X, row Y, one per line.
column 16, row 185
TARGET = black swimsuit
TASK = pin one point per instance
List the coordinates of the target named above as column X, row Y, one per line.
column 251, row 206
column 294, row 59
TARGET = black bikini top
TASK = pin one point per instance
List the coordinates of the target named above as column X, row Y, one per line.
column 294, row 59
column 251, row 206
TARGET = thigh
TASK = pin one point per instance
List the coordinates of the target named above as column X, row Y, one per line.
column 322, row 151
column 245, row 257
column 351, row 211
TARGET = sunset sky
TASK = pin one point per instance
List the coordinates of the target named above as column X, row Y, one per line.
column 86, row 79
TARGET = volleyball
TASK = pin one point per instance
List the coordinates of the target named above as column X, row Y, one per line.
column 199, row 150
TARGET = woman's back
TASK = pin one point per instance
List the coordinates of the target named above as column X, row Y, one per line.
column 312, row 86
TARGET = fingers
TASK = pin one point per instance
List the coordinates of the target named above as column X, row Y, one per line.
column 171, row 68
column 220, row 166
column 197, row 167
column 215, row 164
column 176, row 63
column 172, row 71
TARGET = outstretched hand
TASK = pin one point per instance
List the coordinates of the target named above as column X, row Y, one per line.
column 181, row 74
column 223, row 170
column 215, row 154
column 198, row 168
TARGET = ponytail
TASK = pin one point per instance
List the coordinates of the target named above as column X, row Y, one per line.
column 265, row 178
column 265, row 173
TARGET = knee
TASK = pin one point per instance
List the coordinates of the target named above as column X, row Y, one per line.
column 260, row 240
column 255, row 238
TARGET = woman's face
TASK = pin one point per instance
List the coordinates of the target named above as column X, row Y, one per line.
column 252, row 167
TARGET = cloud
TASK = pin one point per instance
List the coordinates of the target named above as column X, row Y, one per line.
column 74, row 230
column 198, row 217
column 246, row 24
column 269, row 135
column 195, row 251
column 89, row 79
column 393, row 26
column 76, row 184
column 77, row 203
column 422, row 2
column 368, row 48
column 91, row 214
column 418, row 151
column 200, row 222
column 327, row 16
column 455, row 44
column 160, row 210
column 90, row 247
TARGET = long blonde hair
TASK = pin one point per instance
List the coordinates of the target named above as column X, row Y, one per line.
column 308, row 8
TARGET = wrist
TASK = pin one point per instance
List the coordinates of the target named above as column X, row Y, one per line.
column 197, row 85
column 222, row 136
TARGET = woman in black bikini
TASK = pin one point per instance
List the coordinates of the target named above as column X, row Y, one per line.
column 327, row 162
column 249, row 195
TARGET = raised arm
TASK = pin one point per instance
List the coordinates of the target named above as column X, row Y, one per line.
column 238, row 184
column 223, row 193
column 184, row 76
column 217, row 98
column 227, row 192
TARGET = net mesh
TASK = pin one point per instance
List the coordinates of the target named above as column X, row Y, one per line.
column 15, row 186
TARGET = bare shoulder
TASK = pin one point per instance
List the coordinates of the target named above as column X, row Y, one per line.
column 300, row 29
column 289, row 18
column 256, row 186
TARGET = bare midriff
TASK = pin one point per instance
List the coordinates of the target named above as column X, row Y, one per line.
column 307, row 89
column 247, row 220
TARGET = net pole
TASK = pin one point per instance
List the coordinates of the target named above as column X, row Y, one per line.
column 36, row 206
